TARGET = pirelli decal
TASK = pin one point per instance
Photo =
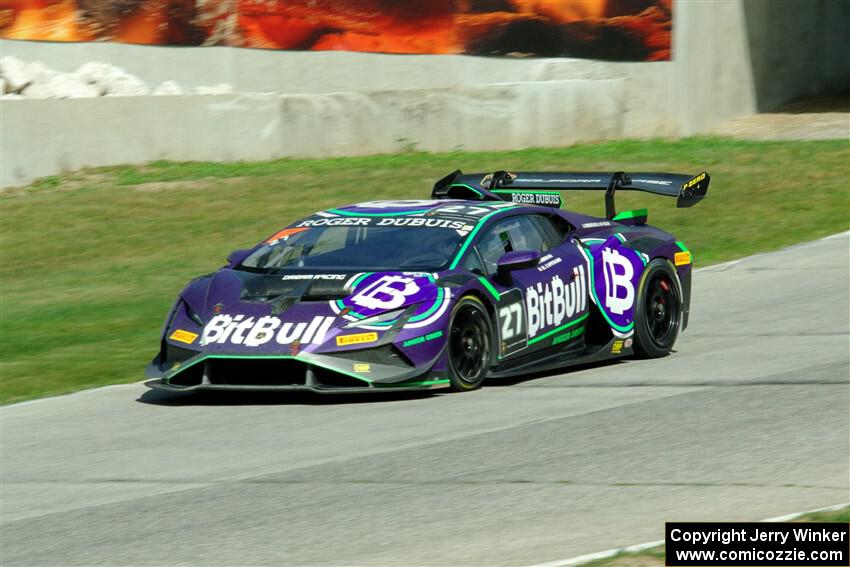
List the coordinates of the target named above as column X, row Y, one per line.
column 183, row 336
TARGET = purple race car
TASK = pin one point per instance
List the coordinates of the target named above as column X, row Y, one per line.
column 487, row 279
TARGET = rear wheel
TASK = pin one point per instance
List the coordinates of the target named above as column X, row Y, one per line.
column 469, row 344
column 658, row 313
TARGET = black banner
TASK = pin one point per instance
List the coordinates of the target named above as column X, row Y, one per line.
column 763, row 544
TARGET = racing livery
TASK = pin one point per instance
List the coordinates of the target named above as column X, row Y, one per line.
column 486, row 279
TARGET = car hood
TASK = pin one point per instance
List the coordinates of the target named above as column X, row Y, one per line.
column 245, row 311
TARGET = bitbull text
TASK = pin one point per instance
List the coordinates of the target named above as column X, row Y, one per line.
column 253, row 332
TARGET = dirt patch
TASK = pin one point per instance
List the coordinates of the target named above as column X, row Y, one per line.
column 779, row 126
column 186, row 185
column 822, row 118
column 61, row 183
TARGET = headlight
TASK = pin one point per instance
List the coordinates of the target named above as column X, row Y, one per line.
column 192, row 314
column 382, row 318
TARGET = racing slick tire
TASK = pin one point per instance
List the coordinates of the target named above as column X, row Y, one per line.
column 658, row 310
column 469, row 344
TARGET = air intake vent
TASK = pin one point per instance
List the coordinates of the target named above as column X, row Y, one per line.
column 255, row 372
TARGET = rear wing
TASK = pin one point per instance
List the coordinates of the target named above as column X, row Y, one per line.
column 543, row 188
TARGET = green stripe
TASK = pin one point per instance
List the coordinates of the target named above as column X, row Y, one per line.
column 307, row 361
column 558, row 329
column 434, row 306
column 631, row 214
column 489, row 287
column 469, row 238
column 394, row 214
column 620, row 237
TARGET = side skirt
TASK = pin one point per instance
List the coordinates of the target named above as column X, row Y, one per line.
column 591, row 353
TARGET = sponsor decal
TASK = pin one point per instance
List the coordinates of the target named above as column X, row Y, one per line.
column 295, row 347
column 628, row 343
column 558, row 180
column 513, row 327
column 336, row 221
column 218, row 308
column 614, row 271
column 386, row 293
column 549, row 304
column 617, row 347
column 375, row 294
column 568, row 336
column 652, row 181
column 362, row 368
column 283, row 234
column 693, row 181
column 595, row 224
column 682, row 258
column 547, row 262
column 619, row 290
column 183, row 336
column 422, row 339
column 314, row 277
column 458, row 225
column 251, row 332
column 426, row 222
column 346, row 340
column 548, row 199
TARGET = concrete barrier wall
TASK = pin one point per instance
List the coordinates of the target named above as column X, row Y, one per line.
column 258, row 70
column 113, row 130
column 334, row 103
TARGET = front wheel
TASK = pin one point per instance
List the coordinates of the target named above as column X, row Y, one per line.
column 658, row 312
column 469, row 344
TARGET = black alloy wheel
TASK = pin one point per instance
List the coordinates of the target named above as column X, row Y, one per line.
column 469, row 344
column 658, row 313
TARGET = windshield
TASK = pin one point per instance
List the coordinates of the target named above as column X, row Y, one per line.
column 375, row 248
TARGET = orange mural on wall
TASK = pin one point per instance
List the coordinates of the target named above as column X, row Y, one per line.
column 624, row 30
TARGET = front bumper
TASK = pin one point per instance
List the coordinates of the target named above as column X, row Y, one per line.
column 305, row 371
column 413, row 387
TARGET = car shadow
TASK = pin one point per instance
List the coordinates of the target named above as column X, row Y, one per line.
column 514, row 380
column 267, row 398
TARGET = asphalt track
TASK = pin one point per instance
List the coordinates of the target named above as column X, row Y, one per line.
column 749, row 419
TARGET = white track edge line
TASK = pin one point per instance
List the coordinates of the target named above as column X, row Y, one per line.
column 707, row 268
column 580, row 559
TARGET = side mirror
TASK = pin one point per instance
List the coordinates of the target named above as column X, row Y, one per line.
column 235, row 258
column 518, row 260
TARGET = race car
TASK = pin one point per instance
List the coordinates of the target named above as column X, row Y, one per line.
column 486, row 279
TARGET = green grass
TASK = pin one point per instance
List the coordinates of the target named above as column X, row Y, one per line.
column 655, row 556
column 90, row 261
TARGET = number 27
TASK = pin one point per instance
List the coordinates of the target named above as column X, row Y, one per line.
column 511, row 316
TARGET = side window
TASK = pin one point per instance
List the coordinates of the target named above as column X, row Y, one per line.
column 519, row 232
column 554, row 229
column 472, row 262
